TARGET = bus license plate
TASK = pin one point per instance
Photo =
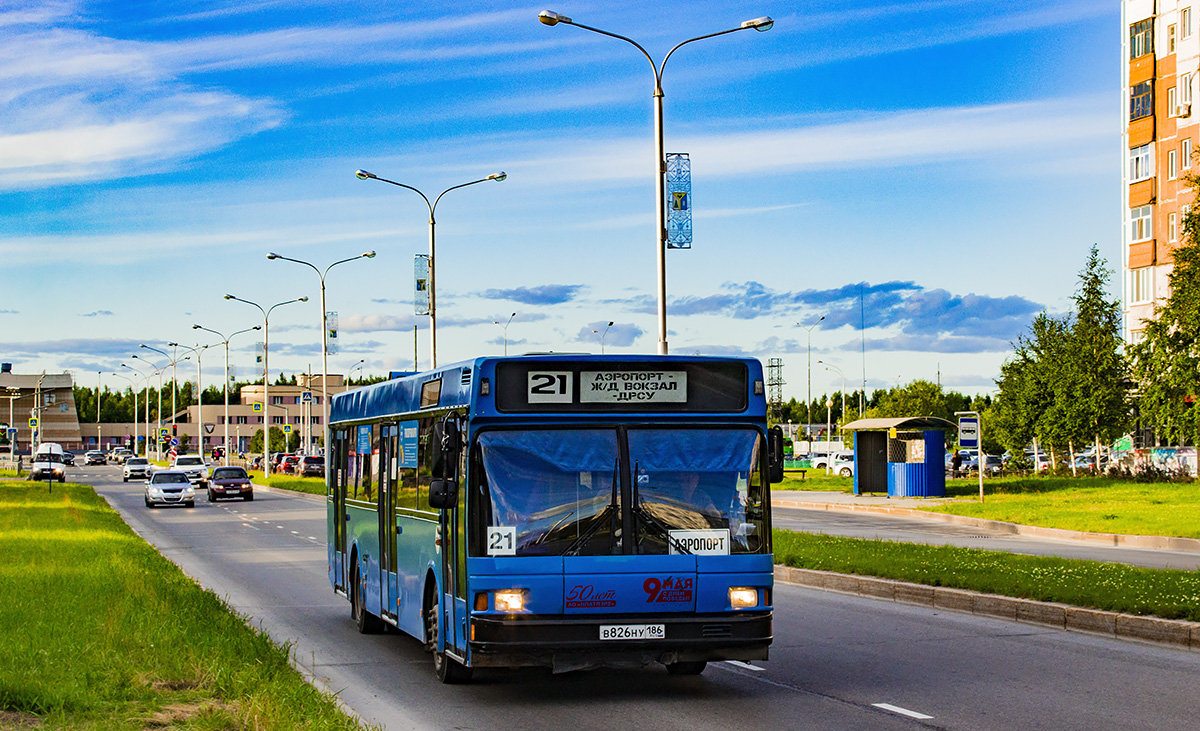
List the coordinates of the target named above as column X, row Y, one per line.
column 633, row 631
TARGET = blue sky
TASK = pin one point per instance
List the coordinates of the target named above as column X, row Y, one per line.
column 947, row 163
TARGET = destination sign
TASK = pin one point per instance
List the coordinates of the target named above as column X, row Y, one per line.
column 597, row 387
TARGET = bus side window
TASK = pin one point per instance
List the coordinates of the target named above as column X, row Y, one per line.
column 424, row 477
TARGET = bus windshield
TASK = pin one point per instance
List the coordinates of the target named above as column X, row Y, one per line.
column 559, row 491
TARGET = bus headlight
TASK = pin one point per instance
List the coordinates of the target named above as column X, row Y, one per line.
column 742, row 598
column 510, row 600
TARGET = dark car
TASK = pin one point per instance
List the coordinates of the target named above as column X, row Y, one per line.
column 312, row 466
column 68, row 458
column 230, row 482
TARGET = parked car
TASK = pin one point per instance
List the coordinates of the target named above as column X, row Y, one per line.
column 312, row 466
column 48, row 463
column 230, row 482
column 843, row 464
column 194, row 466
column 819, row 463
column 218, row 452
column 288, row 464
column 169, row 487
column 94, row 456
column 137, row 467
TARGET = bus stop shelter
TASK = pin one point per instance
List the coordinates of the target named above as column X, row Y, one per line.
column 902, row 456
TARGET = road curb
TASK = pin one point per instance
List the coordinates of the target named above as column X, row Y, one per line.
column 1169, row 543
column 285, row 491
column 1172, row 632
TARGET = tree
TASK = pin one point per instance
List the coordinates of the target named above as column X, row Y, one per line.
column 1095, row 401
column 278, row 443
column 1026, row 406
column 1166, row 360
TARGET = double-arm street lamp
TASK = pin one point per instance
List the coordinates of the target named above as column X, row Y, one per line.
column 832, row 367
column 505, row 326
column 660, row 164
column 602, row 334
column 266, row 376
column 172, row 361
column 324, row 339
column 132, row 387
column 809, row 403
column 157, row 436
column 145, row 386
column 225, row 341
column 358, row 365
column 498, row 177
column 199, row 351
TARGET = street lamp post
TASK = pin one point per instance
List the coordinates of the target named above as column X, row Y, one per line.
column 660, row 165
column 225, row 340
column 173, row 362
column 146, row 386
column 359, row 365
column 12, row 395
column 158, row 421
column 832, row 367
column 132, row 387
column 324, row 341
column 602, row 334
column 809, row 404
column 199, row 351
column 498, row 177
column 505, row 326
column 266, row 376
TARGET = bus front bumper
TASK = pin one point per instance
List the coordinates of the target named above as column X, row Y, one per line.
column 572, row 643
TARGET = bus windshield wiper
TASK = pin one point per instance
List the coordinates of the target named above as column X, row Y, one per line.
column 609, row 510
column 648, row 519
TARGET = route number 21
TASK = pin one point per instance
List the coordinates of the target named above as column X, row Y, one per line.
column 502, row 540
column 551, row 387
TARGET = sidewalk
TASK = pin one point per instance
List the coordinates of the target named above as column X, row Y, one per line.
column 908, row 507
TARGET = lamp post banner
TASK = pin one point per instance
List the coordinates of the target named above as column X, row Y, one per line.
column 331, row 323
column 421, row 284
column 679, row 201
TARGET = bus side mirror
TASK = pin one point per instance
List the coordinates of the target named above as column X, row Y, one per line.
column 775, row 454
column 443, row 448
column 443, row 494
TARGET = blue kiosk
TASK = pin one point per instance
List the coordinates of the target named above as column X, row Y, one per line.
column 902, row 456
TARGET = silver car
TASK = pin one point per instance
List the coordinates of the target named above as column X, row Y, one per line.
column 194, row 466
column 139, row 467
column 169, row 487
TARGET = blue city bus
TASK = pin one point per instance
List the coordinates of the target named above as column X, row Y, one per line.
column 565, row 511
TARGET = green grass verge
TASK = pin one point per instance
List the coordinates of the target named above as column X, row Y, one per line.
column 311, row 485
column 1099, row 585
column 99, row 631
column 814, row 480
column 1093, row 504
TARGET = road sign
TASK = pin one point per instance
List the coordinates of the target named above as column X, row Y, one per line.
column 968, row 432
column 256, row 408
column 306, row 397
column 33, row 422
column 12, row 433
column 174, row 442
column 164, row 432
column 287, row 428
column 208, row 427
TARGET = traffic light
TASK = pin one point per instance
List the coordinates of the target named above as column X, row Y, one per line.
column 174, row 430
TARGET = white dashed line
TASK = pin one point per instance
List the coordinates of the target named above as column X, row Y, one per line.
column 312, row 538
column 295, row 532
column 902, row 711
column 745, row 665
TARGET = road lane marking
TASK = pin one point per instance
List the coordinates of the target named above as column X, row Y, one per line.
column 312, row 538
column 745, row 665
column 902, row 711
column 295, row 532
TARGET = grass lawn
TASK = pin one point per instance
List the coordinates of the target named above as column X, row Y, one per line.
column 814, row 480
column 313, row 485
column 1099, row 585
column 99, row 631
column 1096, row 504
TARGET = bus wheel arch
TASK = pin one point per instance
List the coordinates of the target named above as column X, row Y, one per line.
column 447, row 669
column 367, row 623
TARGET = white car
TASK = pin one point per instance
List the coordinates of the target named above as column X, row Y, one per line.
column 137, row 467
column 194, row 466
column 843, row 464
column 48, row 463
column 843, row 456
column 169, row 487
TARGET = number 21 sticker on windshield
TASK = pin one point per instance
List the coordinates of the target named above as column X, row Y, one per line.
column 502, row 540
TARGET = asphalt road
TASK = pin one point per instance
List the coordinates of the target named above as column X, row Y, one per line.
column 877, row 526
column 838, row 662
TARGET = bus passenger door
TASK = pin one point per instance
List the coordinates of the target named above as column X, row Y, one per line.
column 452, row 526
column 388, row 586
column 336, row 455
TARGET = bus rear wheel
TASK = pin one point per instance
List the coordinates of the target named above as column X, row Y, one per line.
column 687, row 668
column 367, row 623
column 447, row 669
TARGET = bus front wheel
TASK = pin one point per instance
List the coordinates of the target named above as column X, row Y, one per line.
column 447, row 669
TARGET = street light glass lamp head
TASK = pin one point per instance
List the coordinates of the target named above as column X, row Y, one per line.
column 272, row 256
column 498, row 177
column 369, row 254
column 549, row 17
column 302, row 299
column 761, row 25
column 363, row 175
column 229, row 297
